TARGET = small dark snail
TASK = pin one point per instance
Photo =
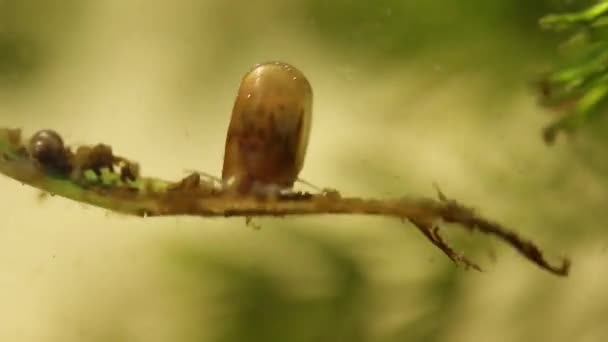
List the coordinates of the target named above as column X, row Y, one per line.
column 269, row 129
column 47, row 148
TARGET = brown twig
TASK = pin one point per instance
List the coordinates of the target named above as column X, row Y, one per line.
column 193, row 196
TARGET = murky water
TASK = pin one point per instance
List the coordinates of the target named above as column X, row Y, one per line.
column 158, row 81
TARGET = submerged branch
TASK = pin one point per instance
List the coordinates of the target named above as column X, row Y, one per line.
column 103, row 187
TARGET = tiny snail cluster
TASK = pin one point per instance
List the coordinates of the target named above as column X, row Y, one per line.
column 269, row 130
column 47, row 148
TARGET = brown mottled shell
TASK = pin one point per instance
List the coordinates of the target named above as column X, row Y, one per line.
column 269, row 128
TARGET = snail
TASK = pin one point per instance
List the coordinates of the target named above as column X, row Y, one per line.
column 269, row 130
column 47, row 148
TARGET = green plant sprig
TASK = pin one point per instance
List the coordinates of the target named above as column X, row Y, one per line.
column 577, row 86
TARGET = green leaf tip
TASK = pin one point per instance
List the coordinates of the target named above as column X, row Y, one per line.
column 576, row 87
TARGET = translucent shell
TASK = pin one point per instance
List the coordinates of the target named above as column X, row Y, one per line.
column 269, row 128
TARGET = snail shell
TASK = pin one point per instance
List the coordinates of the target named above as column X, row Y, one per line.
column 47, row 147
column 269, row 128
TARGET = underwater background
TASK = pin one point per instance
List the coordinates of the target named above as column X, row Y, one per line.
column 406, row 94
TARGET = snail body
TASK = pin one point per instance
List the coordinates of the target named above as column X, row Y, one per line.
column 269, row 129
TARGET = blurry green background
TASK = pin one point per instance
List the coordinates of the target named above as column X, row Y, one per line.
column 407, row 93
